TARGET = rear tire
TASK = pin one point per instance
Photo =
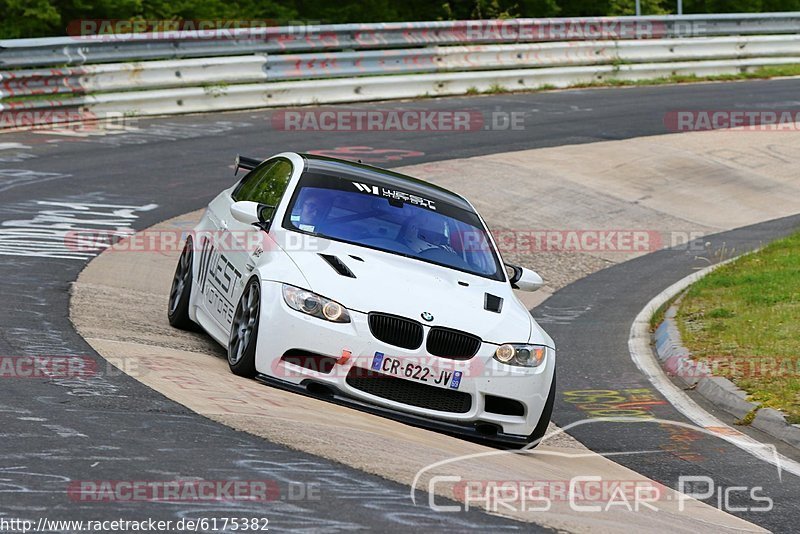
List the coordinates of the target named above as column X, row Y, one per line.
column 541, row 427
column 244, row 331
column 181, row 290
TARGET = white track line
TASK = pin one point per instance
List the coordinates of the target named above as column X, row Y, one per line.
column 642, row 355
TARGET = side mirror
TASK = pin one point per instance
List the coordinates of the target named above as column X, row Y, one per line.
column 246, row 212
column 243, row 162
column 523, row 279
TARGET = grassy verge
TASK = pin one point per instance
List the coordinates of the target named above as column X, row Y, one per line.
column 34, row 98
column 758, row 74
column 744, row 319
column 658, row 316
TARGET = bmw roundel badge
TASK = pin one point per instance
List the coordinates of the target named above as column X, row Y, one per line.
column 427, row 316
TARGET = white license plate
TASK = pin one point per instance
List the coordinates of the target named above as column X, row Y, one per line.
column 446, row 378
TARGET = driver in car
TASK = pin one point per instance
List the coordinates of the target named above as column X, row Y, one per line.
column 310, row 212
column 418, row 235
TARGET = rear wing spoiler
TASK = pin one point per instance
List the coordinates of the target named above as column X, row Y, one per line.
column 243, row 162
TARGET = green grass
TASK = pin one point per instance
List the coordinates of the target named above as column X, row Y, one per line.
column 745, row 317
column 668, row 80
column 776, row 71
column 48, row 96
column 658, row 316
column 495, row 89
column 758, row 74
column 747, row 420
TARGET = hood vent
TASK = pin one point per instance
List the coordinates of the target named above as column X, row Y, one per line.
column 492, row 303
column 338, row 265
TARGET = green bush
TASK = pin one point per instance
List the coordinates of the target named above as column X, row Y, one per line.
column 38, row 18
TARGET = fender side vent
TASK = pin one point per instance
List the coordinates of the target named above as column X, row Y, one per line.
column 493, row 303
column 338, row 265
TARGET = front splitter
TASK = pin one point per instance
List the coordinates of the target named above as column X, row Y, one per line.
column 336, row 396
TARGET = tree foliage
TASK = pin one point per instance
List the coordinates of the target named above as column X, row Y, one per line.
column 37, row 18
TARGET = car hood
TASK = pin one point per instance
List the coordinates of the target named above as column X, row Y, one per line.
column 397, row 285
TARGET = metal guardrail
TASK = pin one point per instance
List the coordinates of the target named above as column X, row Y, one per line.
column 629, row 49
column 257, row 68
column 334, row 91
column 80, row 50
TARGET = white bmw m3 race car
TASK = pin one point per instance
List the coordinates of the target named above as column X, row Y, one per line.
column 371, row 289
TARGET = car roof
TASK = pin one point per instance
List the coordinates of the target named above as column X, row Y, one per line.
column 384, row 177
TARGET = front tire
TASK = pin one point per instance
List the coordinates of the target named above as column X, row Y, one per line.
column 181, row 290
column 244, row 331
column 541, row 427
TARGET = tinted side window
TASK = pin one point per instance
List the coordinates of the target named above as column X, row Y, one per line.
column 266, row 184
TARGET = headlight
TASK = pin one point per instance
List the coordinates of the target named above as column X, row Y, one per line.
column 314, row 305
column 521, row 355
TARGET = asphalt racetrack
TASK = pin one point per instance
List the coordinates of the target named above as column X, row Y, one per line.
column 112, row 427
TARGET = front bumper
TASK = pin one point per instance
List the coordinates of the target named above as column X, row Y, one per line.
column 469, row 431
column 282, row 330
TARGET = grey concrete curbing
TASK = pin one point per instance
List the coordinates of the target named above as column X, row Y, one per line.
column 773, row 423
column 724, row 394
column 678, row 363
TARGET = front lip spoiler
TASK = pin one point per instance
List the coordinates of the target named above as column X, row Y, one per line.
column 336, row 396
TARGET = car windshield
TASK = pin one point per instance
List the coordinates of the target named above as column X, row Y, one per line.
column 394, row 221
